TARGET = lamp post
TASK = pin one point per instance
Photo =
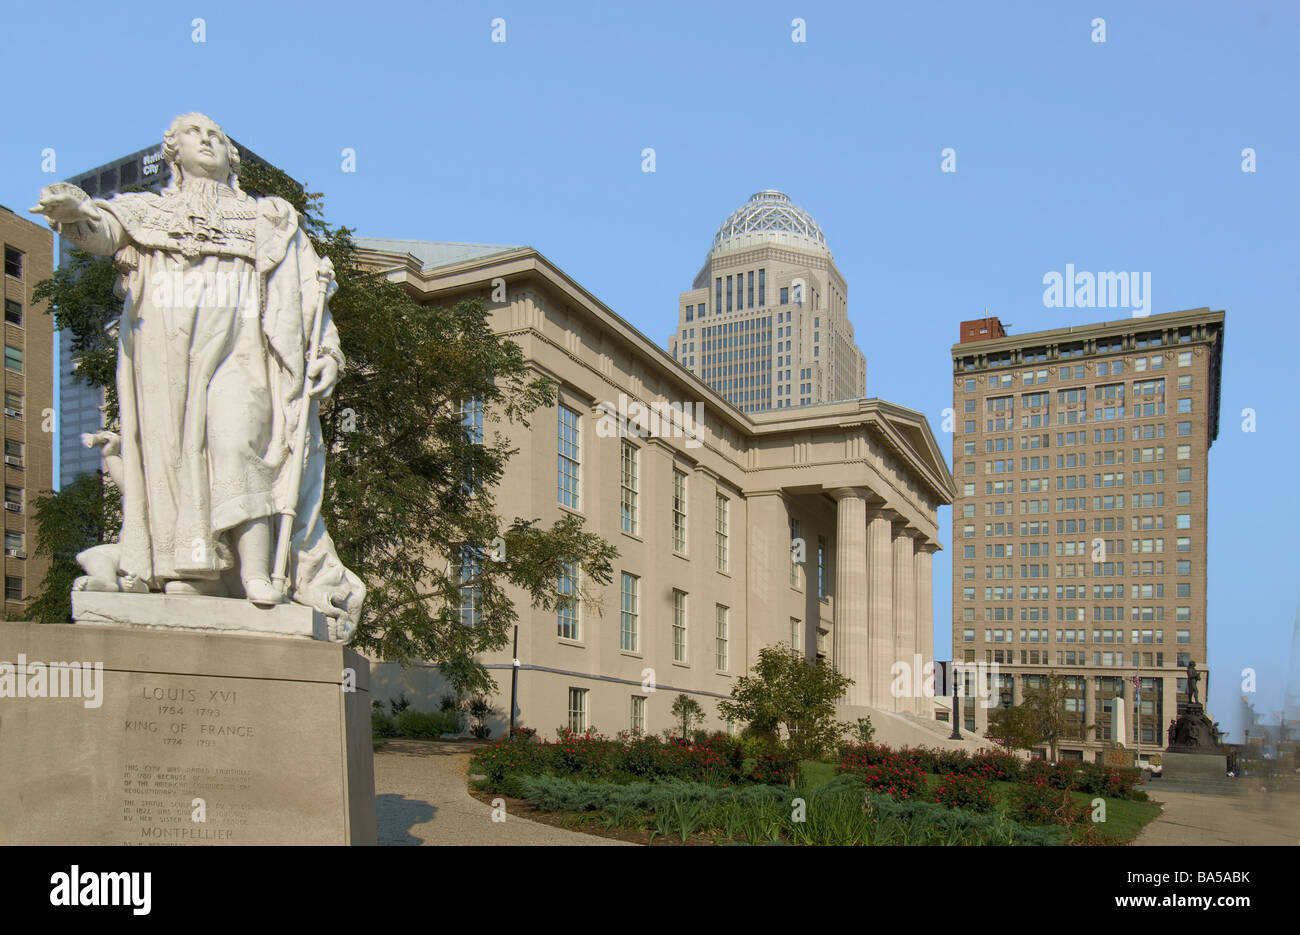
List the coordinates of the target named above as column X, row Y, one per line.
column 956, row 704
column 514, row 684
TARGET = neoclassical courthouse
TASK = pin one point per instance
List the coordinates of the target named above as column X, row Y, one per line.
column 704, row 516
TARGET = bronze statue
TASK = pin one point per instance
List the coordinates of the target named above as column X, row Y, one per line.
column 1193, row 677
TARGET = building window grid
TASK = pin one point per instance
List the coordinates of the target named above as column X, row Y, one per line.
column 679, row 511
column 721, row 532
column 578, row 710
column 569, row 454
column 568, row 625
column 628, row 469
column 721, row 637
column 679, row 626
column 629, row 636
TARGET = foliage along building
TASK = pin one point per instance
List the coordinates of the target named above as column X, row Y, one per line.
column 812, row 527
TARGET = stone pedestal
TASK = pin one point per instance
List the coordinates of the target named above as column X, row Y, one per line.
column 1205, row 773
column 132, row 735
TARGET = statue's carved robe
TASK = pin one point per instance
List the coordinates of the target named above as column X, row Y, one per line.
column 220, row 294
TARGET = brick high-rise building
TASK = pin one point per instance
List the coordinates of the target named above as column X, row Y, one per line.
column 28, row 389
column 1081, row 461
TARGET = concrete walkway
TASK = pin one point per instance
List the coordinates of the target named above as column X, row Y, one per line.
column 421, row 798
column 1193, row 819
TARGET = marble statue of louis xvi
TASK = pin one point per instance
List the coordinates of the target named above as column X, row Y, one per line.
column 221, row 295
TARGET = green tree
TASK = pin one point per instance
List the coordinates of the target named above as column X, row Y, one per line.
column 1012, row 728
column 1044, row 715
column 688, row 711
column 410, row 489
column 786, row 691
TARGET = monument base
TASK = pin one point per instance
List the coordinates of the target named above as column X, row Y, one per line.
column 131, row 735
column 1206, row 773
column 194, row 612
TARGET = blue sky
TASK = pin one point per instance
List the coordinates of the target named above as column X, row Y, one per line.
column 1123, row 155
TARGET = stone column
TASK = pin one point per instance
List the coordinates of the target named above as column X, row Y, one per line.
column 880, row 604
column 852, row 645
column 923, row 572
column 904, row 608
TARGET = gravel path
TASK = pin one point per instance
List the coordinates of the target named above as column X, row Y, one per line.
column 421, row 798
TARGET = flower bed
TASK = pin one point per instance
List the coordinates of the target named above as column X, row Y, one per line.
column 956, row 790
column 715, row 759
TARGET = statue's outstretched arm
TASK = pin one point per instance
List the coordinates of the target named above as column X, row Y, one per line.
column 73, row 215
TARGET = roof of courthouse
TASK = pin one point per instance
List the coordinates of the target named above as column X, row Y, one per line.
column 431, row 254
column 427, row 266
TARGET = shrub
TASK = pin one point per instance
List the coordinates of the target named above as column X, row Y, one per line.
column 1039, row 803
column 1100, row 779
column 776, row 766
column 854, row 759
column 423, row 725
column 519, row 757
column 900, row 778
column 942, row 762
column 965, row 791
column 993, row 765
column 838, row 813
column 382, row 724
column 1056, row 775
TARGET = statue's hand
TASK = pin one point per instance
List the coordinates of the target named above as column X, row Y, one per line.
column 65, row 203
column 325, row 371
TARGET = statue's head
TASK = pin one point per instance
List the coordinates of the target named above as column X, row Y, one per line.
column 194, row 146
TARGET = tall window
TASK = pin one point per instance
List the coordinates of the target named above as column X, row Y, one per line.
column 578, row 710
column 679, row 511
column 13, row 359
column 638, row 714
column 821, row 568
column 471, row 417
column 729, row 293
column 569, row 447
column 679, row 626
column 13, row 262
column 749, row 290
column 720, row 638
column 762, row 288
column 794, row 564
column 721, row 525
column 13, row 588
column 567, row 623
column 628, row 481
column 796, row 634
column 13, row 312
column 629, row 636
column 470, row 566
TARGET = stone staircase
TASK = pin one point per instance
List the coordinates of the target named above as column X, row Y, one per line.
column 896, row 729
